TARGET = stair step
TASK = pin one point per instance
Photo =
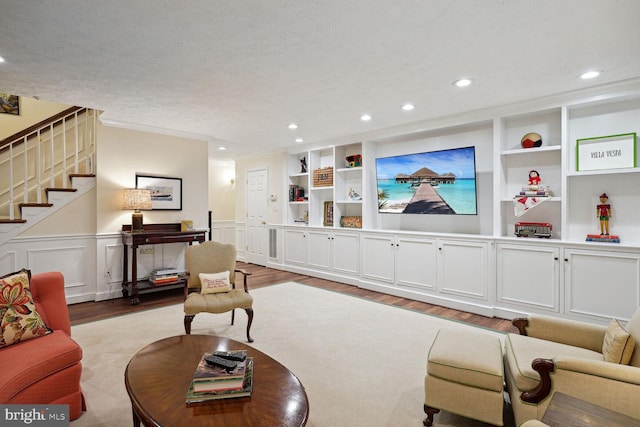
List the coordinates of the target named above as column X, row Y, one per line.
column 35, row 205
column 67, row 190
column 12, row 221
column 81, row 175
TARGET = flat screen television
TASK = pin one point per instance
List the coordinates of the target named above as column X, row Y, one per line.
column 435, row 182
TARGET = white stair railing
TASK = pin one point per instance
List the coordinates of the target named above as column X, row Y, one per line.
column 43, row 159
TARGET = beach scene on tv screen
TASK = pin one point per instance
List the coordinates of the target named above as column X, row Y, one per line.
column 435, row 182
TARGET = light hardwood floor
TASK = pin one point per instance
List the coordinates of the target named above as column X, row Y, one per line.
column 262, row 276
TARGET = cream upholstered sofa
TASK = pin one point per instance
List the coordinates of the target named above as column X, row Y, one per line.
column 558, row 355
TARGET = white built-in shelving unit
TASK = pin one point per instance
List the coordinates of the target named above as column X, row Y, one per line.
column 419, row 256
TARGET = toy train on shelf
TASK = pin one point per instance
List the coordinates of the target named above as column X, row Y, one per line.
column 533, row 229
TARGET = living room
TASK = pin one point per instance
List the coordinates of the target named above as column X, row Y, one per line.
column 83, row 240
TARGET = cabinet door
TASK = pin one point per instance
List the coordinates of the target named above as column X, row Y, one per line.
column 296, row 246
column 416, row 262
column 528, row 276
column 378, row 257
column 346, row 252
column 602, row 285
column 463, row 268
column 319, row 249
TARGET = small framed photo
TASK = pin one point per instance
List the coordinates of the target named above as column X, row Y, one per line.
column 9, row 104
column 606, row 152
column 328, row 214
column 166, row 193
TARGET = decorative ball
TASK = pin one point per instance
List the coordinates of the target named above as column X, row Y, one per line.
column 531, row 140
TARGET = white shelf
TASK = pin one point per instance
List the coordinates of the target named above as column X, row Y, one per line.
column 549, row 199
column 349, row 201
column 546, row 149
column 359, row 168
column 321, row 188
column 604, row 172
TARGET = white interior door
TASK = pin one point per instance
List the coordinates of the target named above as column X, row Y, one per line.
column 257, row 205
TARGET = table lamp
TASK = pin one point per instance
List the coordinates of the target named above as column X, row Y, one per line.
column 136, row 199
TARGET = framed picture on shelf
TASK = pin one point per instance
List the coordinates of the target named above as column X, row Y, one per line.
column 328, row 214
column 606, row 152
column 166, row 193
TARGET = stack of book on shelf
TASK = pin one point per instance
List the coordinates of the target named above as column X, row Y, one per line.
column 296, row 193
column 535, row 191
column 211, row 382
column 165, row 276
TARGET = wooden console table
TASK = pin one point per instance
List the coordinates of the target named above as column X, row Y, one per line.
column 152, row 234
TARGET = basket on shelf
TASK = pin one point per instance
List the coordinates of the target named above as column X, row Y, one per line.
column 323, row 177
column 351, row 221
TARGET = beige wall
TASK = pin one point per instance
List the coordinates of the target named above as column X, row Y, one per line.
column 274, row 164
column 32, row 111
column 122, row 153
column 222, row 193
column 77, row 218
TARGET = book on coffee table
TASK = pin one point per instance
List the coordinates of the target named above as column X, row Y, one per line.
column 204, row 396
column 206, row 372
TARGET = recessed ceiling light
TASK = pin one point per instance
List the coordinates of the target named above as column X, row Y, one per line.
column 222, row 148
column 292, row 126
column 1, row 59
column 463, row 82
column 408, row 107
column 299, row 140
column 365, row 117
column 590, row 75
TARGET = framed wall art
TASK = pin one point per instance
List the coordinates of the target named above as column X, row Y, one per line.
column 9, row 104
column 606, row 152
column 166, row 193
column 328, row 214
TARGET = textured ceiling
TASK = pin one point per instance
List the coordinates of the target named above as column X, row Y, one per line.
column 237, row 72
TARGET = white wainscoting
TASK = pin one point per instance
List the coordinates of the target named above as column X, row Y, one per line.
column 73, row 256
column 240, row 241
column 223, row 232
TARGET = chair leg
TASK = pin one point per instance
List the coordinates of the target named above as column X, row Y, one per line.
column 430, row 413
column 187, row 324
column 249, row 321
column 233, row 316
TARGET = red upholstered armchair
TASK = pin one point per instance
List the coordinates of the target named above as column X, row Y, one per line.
column 47, row 369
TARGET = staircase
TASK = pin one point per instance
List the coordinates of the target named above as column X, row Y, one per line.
column 44, row 168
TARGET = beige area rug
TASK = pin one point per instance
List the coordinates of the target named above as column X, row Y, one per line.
column 362, row 363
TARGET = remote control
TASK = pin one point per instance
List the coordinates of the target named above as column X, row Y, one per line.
column 231, row 355
column 227, row 365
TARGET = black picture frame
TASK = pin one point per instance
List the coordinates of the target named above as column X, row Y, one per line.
column 166, row 192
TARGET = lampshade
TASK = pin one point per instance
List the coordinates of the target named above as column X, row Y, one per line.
column 136, row 198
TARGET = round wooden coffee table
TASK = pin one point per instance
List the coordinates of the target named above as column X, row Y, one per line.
column 158, row 377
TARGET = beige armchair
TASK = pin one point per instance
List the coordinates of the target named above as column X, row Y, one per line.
column 558, row 355
column 208, row 290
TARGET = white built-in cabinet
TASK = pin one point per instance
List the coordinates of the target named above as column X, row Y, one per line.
column 600, row 283
column 438, row 269
column 477, row 262
column 296, row 246
column 399, row 260
column 334, row 251
column 322, row 250
column 528, row 277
